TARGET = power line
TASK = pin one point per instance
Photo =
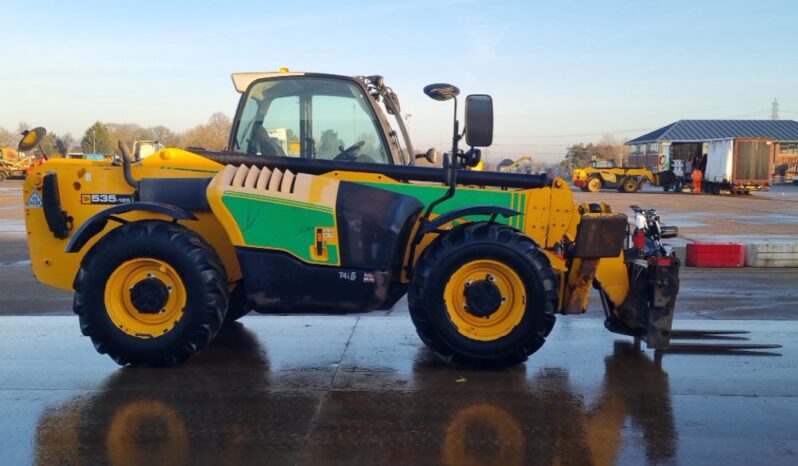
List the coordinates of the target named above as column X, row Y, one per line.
column 574, row 134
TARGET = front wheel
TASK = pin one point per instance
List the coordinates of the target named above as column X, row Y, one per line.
column 483, row 295
column 593, row 184
column 151, row 293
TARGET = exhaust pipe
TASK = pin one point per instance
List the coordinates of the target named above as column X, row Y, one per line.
column 126, row 162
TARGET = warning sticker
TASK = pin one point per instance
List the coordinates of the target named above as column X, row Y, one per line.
column 35, row 200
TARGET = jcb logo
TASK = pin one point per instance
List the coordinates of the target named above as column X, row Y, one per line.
column 105, row 198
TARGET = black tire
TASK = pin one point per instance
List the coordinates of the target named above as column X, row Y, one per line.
column 629, row 185
column 471, row 242
column 193, row 260
column 667, row 188
column 3, row 176
column 238, row 306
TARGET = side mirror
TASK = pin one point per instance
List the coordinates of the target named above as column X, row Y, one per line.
column 31, row 139
column 479, row 120
column 432, row 156
column 441, row 91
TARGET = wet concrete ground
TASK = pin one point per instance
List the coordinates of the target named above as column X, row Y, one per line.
column 349, row 390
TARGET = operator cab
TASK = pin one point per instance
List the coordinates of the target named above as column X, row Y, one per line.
column 314, row 117
column 603, row 164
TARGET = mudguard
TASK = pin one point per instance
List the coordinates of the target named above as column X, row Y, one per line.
column 97, row 222
column 441, row 220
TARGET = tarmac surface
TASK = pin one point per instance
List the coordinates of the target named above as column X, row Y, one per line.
column 363, row 389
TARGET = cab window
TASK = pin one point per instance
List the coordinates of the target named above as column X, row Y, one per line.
column 604, row 164
column 313, row 118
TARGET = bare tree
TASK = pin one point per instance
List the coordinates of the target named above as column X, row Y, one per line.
column 7, row 138
column 212, row 136
column 608, row 148
column 64, row 144
column 164, row 135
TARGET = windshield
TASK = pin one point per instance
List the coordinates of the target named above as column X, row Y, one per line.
column 310, row 117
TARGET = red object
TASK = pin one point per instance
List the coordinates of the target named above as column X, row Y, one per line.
column 715, row 255
column 639, row 239
column 663, row 261
column 697, row 177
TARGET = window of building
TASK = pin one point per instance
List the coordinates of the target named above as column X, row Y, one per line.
column 788, row 148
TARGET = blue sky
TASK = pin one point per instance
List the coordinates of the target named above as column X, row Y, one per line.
column 560, row 72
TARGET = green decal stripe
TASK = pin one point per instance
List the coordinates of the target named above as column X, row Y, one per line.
column 288, row 227
column 514, row 221
column 279, row 200
column 512, row 206
column 464, row 197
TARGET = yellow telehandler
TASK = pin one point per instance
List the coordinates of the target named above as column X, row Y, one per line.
column 161, row 251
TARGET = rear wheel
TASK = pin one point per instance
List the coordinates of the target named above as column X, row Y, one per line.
column 483, row 295
column 2, row 176
column 151, row 293
column 593, row 184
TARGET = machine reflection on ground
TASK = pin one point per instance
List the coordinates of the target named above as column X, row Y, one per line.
column 224, row 407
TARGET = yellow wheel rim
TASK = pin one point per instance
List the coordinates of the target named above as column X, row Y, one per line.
column 119, row 302
column 594, row 184
column 504, row 318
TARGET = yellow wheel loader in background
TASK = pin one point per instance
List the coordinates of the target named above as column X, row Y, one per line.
column 161, row 251
column 603, row 174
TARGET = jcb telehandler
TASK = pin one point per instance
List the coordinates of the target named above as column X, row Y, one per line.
column 161, row 251
column 603, row 174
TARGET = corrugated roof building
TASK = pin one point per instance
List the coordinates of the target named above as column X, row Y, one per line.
column 684, row 139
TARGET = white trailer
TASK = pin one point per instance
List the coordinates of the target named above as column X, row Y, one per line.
column 739, row 165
